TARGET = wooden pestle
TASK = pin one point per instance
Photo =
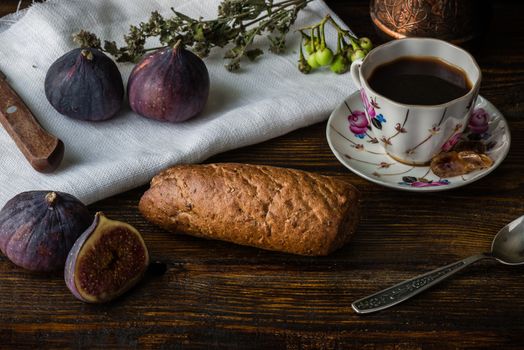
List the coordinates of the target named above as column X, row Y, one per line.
column 43, row 150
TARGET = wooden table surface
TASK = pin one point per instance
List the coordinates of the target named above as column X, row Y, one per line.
column 219, row 295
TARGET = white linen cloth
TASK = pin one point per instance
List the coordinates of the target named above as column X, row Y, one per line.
column 264, row 100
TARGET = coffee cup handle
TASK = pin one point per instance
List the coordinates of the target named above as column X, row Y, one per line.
column 355, row 72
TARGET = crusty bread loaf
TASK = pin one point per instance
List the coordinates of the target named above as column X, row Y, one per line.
column 261, row 206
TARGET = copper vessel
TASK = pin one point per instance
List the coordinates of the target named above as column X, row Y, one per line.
column 457, row 21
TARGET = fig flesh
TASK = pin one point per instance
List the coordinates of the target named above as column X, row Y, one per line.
column 38, row 228
column 85, row 84
column 171, row 84
column 107, row 260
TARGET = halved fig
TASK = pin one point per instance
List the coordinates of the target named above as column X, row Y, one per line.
column 108, row 259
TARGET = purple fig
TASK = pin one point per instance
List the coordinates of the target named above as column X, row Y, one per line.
column 108, row 259
column 38, row 228
column 171, row 84
column 85, row 84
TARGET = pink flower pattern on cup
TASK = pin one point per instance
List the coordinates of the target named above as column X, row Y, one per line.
column 370, row 105
column 451, row 142
column 479, row 121
column 369, row 108
column 358, row 123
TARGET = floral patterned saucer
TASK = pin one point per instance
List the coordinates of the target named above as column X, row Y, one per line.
column 353, row 143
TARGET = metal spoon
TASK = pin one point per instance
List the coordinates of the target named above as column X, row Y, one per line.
column 507, row 248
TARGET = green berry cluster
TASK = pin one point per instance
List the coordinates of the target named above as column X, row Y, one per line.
column 349, row 48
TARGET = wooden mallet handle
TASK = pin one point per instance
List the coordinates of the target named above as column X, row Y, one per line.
column 43, row 150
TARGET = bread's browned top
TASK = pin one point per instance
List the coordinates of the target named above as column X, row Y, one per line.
column 267, row 207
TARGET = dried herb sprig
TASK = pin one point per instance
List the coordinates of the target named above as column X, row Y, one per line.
column 238, row 23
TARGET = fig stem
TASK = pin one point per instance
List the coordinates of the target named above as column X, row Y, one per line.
column 177, row 44
column 51, row 198
column 87, row 54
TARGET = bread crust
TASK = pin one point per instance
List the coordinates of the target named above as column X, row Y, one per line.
column 271, row 208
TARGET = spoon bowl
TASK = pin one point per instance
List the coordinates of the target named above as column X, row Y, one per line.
column 508, row 244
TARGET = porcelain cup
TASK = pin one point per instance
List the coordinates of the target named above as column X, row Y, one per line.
column 414, row 134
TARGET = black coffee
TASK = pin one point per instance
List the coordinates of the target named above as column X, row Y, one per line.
column 419, row 81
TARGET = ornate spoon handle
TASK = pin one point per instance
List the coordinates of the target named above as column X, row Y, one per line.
column 405, row 290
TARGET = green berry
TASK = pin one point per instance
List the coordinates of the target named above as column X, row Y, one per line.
column 365, row 44
column 303, row 66
column 309, row 47
column 354, row 44
column 349, row 52
column 324, row 56
column 312, row 61
column 358, row 54
column 307, row 43
column 340, row 64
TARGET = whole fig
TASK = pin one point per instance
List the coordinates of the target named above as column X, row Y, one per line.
column 108, row 259
column 85, row 84
column 38, row 228
column 171, row 84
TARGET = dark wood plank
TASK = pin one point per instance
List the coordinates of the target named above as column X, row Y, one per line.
column 8, row 6
column 216, row 294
